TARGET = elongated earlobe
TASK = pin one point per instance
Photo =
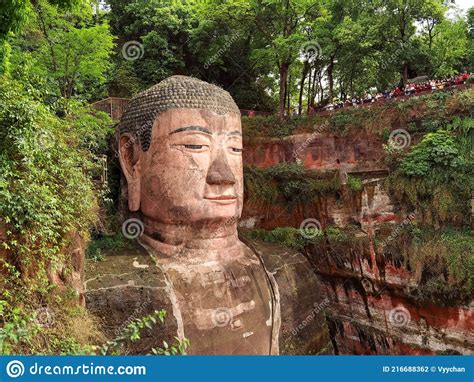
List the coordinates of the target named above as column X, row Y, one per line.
column 129, row 155
column 134, row 190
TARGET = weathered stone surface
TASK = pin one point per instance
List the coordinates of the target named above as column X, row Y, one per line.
column 302, row 302
column 324, row 151
column 127, row 286
column 131, row 285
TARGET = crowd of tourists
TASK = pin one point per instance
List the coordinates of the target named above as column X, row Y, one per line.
column 410, row 89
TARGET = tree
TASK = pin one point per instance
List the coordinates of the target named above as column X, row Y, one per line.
column 449, row 48
column 211, row 40
column 470, row 38
column 67, row 48
column 14, row 13
column 280, row 37
column 398, row 20
column 432, row 14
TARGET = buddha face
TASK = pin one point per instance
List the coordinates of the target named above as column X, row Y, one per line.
column 192, row 172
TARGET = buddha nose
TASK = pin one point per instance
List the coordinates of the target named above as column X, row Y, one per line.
column 219, row 172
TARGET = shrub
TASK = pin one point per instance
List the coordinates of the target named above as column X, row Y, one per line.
column 436, row 177
column 47, row 166
column 354, row 184
column 288, row 184
column 379, row 118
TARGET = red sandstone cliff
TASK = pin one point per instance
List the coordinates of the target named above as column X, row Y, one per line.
column 374, row 308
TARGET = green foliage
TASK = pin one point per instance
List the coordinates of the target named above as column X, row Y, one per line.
column 288, row 184
column 459, row 253
column 5, row 53
column 16, row 328
column 437, row 150
column 255, row 49
column 54, row 325
column 309, row 240
column 393, row 154
column 67, row 51
column 354, row 184
column 13, row 13
column 449, row 47
column 179, row 348
column 132, row 333
column 46, row 194
column 288, row 236
column 442, row 261
column 436, row 177
column 271, row 126
column 433, row 110
column 99, row 246
column 343, row 120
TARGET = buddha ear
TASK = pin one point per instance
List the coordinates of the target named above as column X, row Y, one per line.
column 129, row 156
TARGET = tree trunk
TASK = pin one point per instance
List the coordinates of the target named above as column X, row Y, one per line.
column 405, row 75
column 331, row 79
column 314, row 89
column 303, row 78
column 310, row 88
column 282, row 84
column 321, row 87
column 288, row 95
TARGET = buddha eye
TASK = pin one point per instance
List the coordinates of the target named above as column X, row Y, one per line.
column 194, row 147
column 236, row 150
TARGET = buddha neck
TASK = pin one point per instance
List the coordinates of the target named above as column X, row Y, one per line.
column 199, row 243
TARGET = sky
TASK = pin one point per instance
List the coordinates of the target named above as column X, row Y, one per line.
column 463, row 5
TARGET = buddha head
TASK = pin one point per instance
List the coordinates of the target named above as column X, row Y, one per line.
column 180, row 148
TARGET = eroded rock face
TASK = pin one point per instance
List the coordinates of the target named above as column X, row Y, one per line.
column 373, row 300
column 127, row 286
column 319, row 150
column 180, row 148
column 371, row 314
column 70, row 274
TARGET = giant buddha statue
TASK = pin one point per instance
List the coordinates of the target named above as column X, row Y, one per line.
column 180, row 150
